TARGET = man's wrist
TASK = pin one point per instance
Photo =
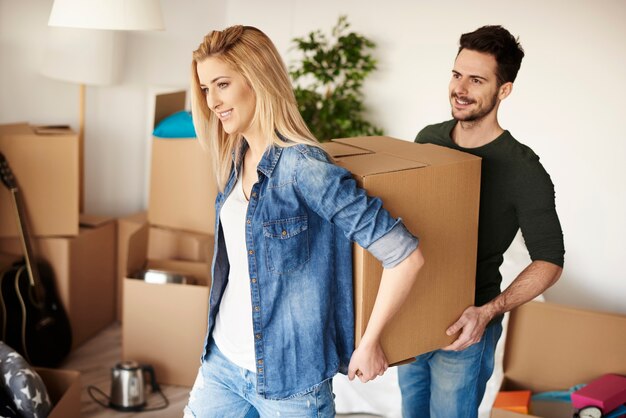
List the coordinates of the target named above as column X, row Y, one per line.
column 490, row 310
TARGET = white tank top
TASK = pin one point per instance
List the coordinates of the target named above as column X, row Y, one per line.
column 233, row 332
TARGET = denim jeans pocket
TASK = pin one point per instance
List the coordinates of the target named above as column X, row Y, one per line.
column 286, row 244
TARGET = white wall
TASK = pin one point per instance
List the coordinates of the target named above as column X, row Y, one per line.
column 566, row 105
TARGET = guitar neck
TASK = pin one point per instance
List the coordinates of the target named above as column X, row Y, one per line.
column 33, row 272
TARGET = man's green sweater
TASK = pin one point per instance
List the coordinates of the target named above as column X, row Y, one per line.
column 515, row 192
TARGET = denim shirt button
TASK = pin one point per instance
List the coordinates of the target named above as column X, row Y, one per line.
column 258, row 336
column 260, row 361
column 253, row 194
column 256, row 309
column 253, row 280
column 250, row 252
column 248, row 221
column 260, row 369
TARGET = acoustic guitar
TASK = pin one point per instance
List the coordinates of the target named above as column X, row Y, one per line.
column 32, row 320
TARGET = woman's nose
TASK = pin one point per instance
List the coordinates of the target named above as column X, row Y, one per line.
column 212, row 99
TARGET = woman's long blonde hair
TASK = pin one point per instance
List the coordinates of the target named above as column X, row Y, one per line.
column 251, row 53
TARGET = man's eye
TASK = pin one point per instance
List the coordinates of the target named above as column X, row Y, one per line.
column 476, row 81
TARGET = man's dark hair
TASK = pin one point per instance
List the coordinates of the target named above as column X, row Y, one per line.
column 499, row 42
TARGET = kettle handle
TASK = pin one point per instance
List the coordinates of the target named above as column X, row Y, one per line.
column 146, row 368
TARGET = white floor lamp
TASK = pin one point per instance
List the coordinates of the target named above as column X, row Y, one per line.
column 85, row 47
column 84, row 57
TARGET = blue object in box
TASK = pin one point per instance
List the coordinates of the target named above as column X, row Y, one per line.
column 177, row 125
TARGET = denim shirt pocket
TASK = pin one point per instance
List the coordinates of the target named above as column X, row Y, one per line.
column 286, row 243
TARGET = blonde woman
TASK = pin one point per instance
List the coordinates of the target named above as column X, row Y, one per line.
column 281, row 320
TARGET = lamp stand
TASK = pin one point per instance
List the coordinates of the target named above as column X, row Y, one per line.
column 81, row 148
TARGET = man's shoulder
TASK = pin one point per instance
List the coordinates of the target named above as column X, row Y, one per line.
column 520, row 151
column 436, row 132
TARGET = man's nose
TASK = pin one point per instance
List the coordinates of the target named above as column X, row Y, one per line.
column 460, row 87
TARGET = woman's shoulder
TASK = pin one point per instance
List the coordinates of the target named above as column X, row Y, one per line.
column 300, row 151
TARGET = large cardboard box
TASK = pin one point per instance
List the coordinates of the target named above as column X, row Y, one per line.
column 164, row 324
column 182, row 183
column 435, row 190
column 64, row 390
column 84, row 269
column 551, row 347
column 45, row 165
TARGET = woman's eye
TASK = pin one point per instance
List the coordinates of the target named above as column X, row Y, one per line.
column 222, row 85
column 205, row 90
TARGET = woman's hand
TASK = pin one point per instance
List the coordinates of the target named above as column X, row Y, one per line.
column 367, row 362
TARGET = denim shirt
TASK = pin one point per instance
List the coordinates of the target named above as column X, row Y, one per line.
column 303, row 213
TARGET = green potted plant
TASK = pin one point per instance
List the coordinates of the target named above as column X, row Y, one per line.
column 328, row 82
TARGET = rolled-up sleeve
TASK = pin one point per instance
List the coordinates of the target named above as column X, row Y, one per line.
column 394, row 246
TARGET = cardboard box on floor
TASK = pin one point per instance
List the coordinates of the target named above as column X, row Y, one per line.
column 182, row 183
column 435, row 190
column 64, row 390
column 164, row 324
column 551, row 347
column 164, row 244
column 84, row 269
column 45, row 165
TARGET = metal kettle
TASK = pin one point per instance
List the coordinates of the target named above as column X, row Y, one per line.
column 128, row 385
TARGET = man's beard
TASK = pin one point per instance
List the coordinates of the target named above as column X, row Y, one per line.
column 478, row 114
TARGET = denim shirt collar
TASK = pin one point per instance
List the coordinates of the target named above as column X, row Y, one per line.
column 268, row 161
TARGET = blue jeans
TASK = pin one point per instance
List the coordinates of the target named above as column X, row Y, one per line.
column 449, row 384
column 223, row 389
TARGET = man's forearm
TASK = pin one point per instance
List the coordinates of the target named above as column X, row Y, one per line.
column 530, row 283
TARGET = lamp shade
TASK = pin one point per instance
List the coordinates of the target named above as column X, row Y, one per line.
column 83, row 56
column 107, row 14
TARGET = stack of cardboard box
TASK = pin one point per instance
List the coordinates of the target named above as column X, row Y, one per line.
column 164, row 324
column 80, row 248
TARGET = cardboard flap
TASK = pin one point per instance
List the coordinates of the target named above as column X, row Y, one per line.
column 137, row 250
column 53, row 130
column 93, row 221
column 167, row 104
column 63, row 386
column 337, row 150
column 165, row 243
column 428, row 154
column 553, row 347
column 368, row 164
